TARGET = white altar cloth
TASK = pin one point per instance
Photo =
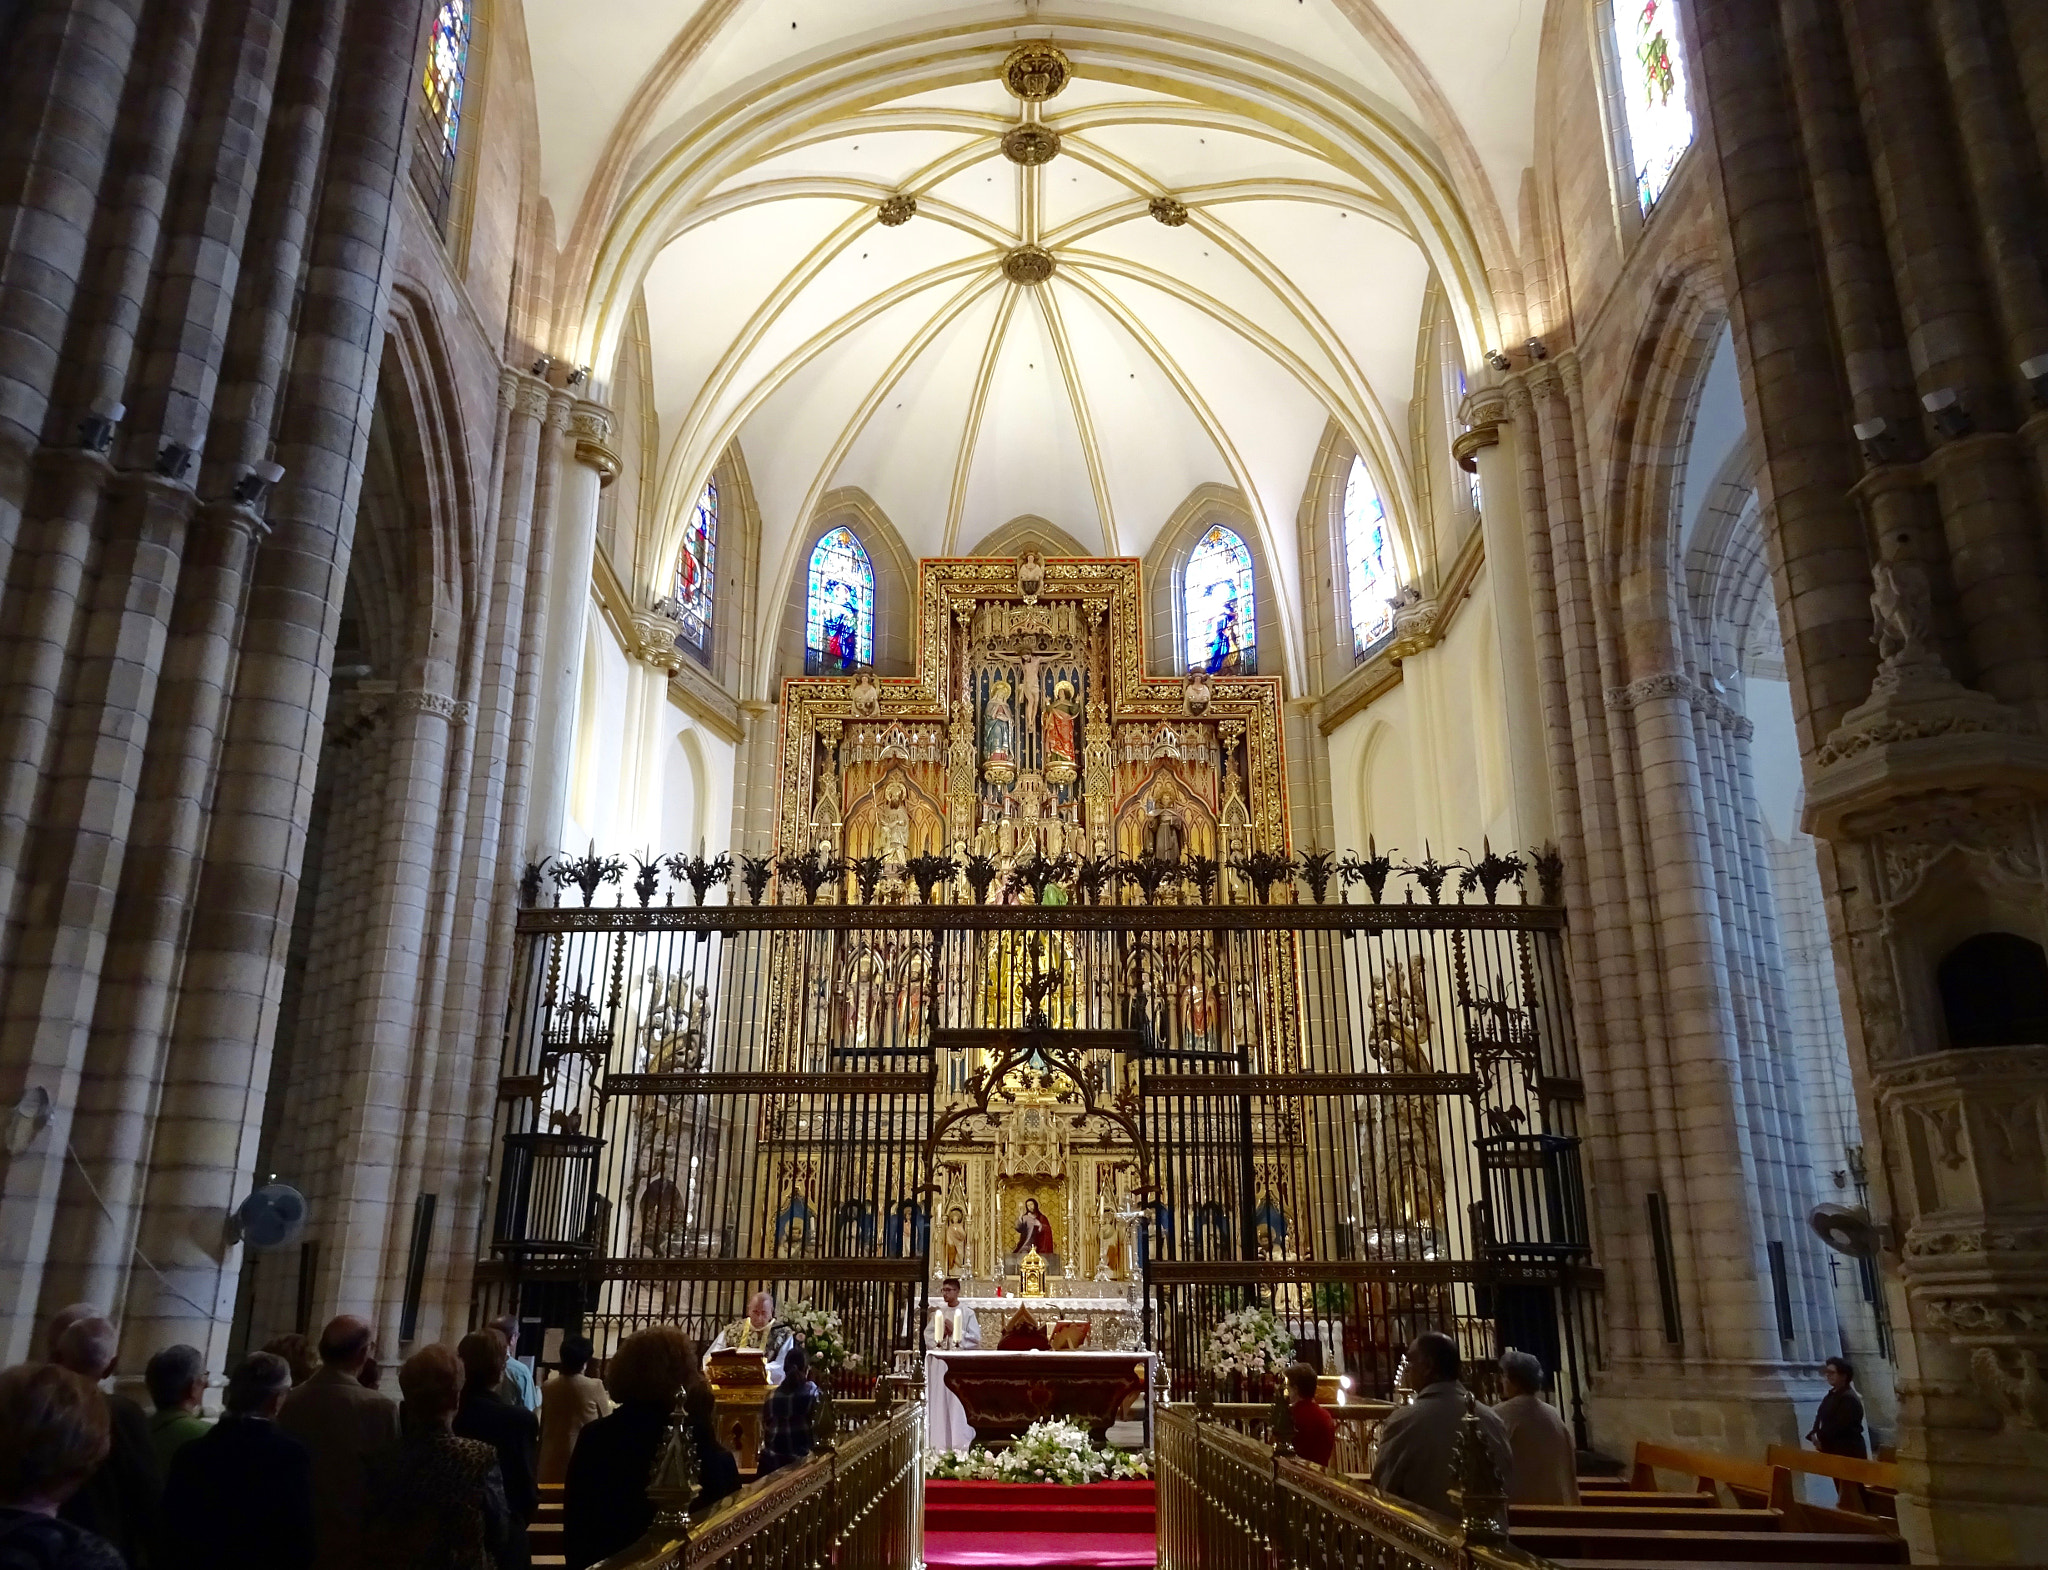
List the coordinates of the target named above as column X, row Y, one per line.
column 945, row 1419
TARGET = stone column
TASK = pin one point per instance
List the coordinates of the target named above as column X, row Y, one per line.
column 561, row 681
column 655, row 659
column 1488, row 448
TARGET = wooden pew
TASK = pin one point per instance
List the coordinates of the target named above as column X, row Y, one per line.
column 1567, row 1544
column 1872, row 1486
column 1696, row 1515
column 1754, row 1485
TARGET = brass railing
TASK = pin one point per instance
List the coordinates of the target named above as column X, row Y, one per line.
column 1356, row 1425
column 855, row 1506
column 1228, row 1502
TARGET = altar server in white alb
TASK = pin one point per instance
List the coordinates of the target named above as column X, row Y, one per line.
column 760, row 1332
column 952, row 1328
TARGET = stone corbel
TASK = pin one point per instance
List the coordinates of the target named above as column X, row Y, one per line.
column 591, row 426
column 654, row 641
column 1467, row 445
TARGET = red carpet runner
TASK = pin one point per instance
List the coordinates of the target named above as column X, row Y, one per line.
column 1042, row 1526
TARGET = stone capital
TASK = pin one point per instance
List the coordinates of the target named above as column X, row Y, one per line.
column 1467, row 445
column 590, row 424
column 654, row 641
column 419, row 700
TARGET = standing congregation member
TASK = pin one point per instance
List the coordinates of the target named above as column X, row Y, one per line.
column 53, row 1436
column 1546, row 1460
column 952, row 1327
column 604, row 1500
column 517, row 1388
column 176, row 1378
column 787, row 1417
column 1838, row 1424
column 436, row 1502
column 1315, row 1431
column 511, row 1430
column 240, row 1497
column 343, row 1425
column 298, row 1354
column 569, row 1402
column 718, row 1469
column 1418, row 1442
column 119, row 1501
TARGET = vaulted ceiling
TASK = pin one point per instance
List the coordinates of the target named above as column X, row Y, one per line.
column 1247, row 205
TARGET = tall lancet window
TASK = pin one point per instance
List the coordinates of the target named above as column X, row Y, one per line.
column 696, row 568
column 839, row 616
column 446, row 70
column 1216, row 605
column 1654, row 91
column 1368, row 560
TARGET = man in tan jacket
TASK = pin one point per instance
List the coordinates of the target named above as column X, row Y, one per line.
column 343, row 1424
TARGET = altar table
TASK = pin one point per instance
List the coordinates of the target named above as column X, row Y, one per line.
column 1012, row 1389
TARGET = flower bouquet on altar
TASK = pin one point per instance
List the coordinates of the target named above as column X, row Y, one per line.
column 1252, row 1342
column 1051, row 1450
column 823, row 1337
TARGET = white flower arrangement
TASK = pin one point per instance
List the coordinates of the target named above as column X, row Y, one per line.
column 1050, row 1451
column 823, row 1337
column 1250, row 1341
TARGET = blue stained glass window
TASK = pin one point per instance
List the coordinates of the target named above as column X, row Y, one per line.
column 1654, row 91
column 839, row 616
column 447, row 66
column 1368, row 560
column 696, row 568
column 1216, row 604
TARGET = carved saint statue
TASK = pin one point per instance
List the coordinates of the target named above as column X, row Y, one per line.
column 1032, row 690
column 1904, row 608
column 999, row 734
column 954, row 1242
column 1061, row 716
column 1164, row 834
column 892, row 829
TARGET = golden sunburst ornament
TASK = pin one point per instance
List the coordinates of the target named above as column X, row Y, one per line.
column 1028, row 264
column 1036, row 71
column 1031, row 145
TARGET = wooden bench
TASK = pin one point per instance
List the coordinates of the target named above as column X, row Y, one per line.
column 1629, row 1499
column 1752, row 1484
column 1870, row 1487
column 1648, row 1545
column 1692, row 1517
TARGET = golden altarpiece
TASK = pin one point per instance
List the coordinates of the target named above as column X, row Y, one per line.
column 1031, row 733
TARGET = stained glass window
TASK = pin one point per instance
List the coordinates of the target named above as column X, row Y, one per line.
column 696, row 565
column 1654, row 90
column 447, row 65
column 1368, row 560
column 1216, row 604
column 840, row 612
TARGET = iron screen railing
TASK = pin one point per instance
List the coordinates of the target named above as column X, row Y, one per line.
column 1363, row 1117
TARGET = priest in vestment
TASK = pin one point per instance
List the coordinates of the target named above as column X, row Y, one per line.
column 759, row 1332
column 951, row 1327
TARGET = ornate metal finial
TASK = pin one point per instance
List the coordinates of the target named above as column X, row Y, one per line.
column 897, row 210
column 1479, row 1498
column 676, row 1478
column 1030, row 264
column 1036, row 71
column 1168, row 211
column 1031, row 145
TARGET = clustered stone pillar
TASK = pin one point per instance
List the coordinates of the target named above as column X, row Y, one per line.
column 1676, row 980
column 1880, row 167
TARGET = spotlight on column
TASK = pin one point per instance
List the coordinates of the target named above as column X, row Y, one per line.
column 256, row 482
column 2036, row 373
column 1497, row 359
column 1950, row 417
column 1538, row 350
column 31, row 1112
column 96, row 430
column 1875, row 438
column 578, row 376
column 543, row 365
column 173, row 459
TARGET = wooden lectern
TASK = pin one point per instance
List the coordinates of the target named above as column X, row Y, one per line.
column 740, row 1382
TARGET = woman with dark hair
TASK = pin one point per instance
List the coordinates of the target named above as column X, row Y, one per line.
column 510, row 1430
column 786, row 1419
column 569, row 1403
column 54, row 1432
column 436, row 1502
column 604, row 1499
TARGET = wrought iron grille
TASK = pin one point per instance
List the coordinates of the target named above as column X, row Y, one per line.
column 1361, row 1117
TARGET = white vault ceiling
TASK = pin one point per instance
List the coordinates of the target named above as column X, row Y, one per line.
column 900, row 360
